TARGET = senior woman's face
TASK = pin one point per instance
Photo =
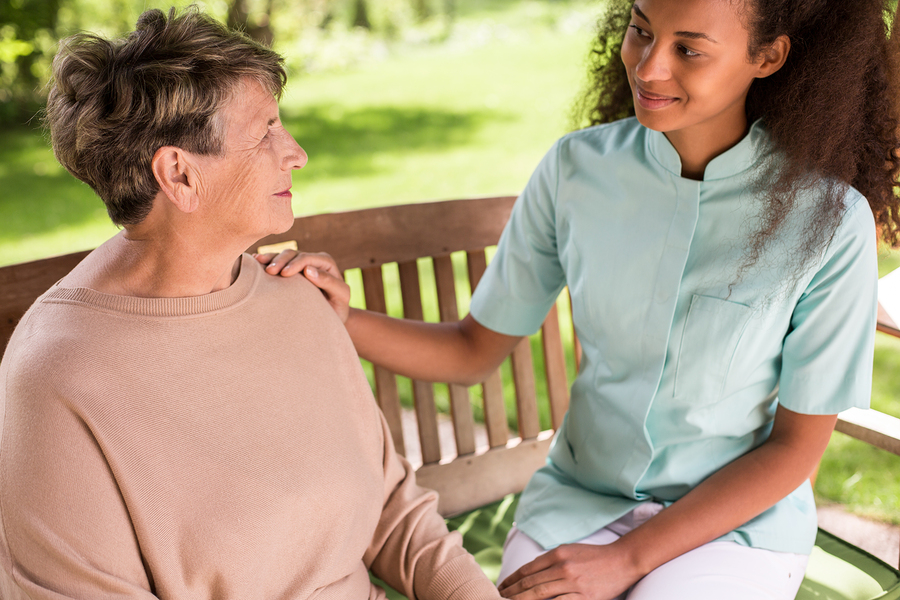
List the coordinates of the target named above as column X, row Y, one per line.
column 247, row 191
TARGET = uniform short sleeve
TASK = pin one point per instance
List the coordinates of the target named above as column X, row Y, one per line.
column 827, row 356
column 525, row 276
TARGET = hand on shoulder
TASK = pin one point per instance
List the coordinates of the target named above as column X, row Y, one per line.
column 319, row 268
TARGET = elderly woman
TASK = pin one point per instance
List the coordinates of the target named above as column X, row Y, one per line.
column 174, row 423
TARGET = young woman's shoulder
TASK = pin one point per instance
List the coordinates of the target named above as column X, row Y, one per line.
column 625, row 136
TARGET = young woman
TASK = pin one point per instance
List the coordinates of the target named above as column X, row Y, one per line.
column 715, row 230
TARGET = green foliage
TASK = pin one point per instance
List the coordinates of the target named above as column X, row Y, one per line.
column 27, row 32
column 470, row 117
column 863, row 478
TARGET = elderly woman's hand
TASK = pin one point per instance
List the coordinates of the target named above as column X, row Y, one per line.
column 319, row 268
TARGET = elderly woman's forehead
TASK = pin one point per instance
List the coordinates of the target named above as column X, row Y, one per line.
column 249, row 105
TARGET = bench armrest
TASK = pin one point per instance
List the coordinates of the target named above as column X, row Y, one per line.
column 872, row 427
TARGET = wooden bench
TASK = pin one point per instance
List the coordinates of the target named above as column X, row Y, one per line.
column 413, row 237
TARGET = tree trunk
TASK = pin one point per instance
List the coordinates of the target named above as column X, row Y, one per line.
column 450, row 9
column 423, row 11
column 259, row 29
column 361, row 17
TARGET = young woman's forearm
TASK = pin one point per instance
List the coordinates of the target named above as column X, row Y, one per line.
column 735, row 494
column 462, row 352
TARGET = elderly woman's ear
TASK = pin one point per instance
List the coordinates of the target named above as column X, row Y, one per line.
column 177, row 177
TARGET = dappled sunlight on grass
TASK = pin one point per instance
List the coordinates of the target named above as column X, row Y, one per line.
column 443, row 123
column 356, row 142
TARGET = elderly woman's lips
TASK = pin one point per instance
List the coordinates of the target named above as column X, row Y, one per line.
column 284, row 194
column 651, row 101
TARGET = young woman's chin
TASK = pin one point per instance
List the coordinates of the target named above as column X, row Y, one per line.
column 656, row 120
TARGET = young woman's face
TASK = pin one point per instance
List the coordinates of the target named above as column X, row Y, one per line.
column 687, row 64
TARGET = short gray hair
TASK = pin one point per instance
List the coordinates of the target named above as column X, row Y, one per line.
column 114, row 103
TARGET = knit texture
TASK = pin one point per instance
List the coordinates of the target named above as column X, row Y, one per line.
column 220, row 447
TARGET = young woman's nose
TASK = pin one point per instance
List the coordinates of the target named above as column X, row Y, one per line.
column 653, row 65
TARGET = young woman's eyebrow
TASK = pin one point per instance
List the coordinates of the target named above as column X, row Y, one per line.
column 693, row 35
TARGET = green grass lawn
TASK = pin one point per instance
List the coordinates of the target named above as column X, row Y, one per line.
column 471, row 117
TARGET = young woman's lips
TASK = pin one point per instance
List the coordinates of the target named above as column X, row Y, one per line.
column 653, row 101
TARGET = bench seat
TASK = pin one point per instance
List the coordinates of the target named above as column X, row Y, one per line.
column 836, row 571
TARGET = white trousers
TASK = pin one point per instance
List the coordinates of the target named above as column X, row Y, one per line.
column 713, row 571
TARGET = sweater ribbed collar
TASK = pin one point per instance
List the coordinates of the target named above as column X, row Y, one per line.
column 167, row 307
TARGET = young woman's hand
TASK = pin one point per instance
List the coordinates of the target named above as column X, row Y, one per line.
column 572, row 571
column 319, row 268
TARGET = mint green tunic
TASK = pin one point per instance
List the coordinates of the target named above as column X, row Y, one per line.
column 685, row 358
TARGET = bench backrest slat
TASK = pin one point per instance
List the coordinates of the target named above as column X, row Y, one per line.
column 385, row 382
column 555, row 368
column 423, row 392
column 377, row 236
column 21, row 284
column 526, row 398
column 460, row 402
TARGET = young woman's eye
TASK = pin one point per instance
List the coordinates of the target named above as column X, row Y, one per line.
column 688, row 52
column 639, row 31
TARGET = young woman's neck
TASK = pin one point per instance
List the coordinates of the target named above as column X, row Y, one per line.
column 698, row 145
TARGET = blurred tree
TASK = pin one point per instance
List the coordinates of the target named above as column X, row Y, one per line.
column 256, row 23
column 422, row 8
column 27, row 31
column 361, row 15
column 450, row 9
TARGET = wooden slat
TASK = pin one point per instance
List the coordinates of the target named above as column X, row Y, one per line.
column 872, row 427
column 385, row 381
column 885, row 323
column 460, row 404
column 526, row 396
column 21, row 284
column 555, row 368
column 423, row 392
column 472, row 481
column 375, row 236
column 492, row 387
column 378, row 236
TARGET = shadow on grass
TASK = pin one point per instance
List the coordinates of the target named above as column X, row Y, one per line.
column 38, row 196
column 350, row 143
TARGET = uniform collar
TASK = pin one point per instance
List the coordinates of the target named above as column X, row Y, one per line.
column 737, row 159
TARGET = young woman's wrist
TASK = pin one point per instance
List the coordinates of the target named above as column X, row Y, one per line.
column 635, row 561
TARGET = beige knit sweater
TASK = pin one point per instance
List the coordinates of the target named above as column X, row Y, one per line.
column 220, row 447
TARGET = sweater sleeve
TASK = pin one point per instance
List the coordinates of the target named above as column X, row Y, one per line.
column 412, row 549
column 65, row 532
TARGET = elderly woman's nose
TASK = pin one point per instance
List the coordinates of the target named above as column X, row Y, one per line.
column 296, row 157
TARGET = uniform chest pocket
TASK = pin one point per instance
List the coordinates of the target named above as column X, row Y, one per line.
column 711, row 334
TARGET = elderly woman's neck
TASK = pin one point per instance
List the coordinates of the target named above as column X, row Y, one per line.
column 134, row 263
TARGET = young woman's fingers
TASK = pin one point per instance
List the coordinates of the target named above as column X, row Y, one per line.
column 265, row 258
column 320, row 260
column 336, row 291
column 548, row 583
column 292, row 262
column 538, row 564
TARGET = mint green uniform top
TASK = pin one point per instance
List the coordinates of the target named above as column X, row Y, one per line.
column 684, row 358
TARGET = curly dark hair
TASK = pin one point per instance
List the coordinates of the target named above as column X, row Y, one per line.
column 831, row 110
column 114, row 103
